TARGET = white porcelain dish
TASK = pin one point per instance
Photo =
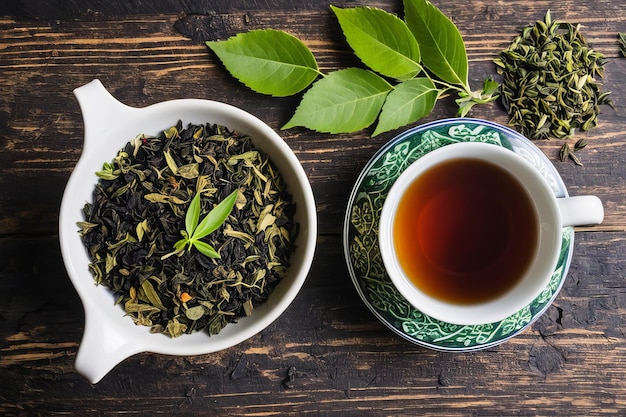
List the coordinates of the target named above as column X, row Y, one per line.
column 109, row 336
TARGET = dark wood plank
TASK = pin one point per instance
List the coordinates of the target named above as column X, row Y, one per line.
column 327, row 353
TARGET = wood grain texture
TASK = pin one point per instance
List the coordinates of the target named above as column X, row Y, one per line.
column 328, row 355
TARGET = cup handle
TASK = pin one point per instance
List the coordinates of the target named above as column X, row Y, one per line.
column 581, row 210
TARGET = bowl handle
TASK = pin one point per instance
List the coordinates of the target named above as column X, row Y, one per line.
column 100, row 110
column 101, row 349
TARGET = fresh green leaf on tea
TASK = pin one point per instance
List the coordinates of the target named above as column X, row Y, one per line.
column 193, row 215
column 180, row 245
column 268, row 61
column 408, row 102
column 195, row 231
column 206, row 249
column 344, row 101
column 441, row 44
column 215, row 217
column 381, row 40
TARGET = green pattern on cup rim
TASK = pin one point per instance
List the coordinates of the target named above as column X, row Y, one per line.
column 360, row 236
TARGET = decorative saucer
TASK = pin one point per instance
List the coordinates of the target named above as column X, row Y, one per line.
column 360, row 236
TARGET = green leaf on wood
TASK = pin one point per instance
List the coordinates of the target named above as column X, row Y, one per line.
column 441, row 43
column 268, row 61
column 408, row 102
column 273, row 62
column 381, row 40
column 344, row 101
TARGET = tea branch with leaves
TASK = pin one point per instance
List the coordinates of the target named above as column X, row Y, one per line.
column 411, row 64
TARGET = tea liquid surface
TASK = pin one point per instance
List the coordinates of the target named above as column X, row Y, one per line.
column 465, row 231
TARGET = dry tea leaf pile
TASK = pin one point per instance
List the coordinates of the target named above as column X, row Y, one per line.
column 550, row 80
column 138, row 212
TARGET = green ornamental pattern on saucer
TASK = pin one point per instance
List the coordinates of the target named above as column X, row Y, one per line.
column 361, row 236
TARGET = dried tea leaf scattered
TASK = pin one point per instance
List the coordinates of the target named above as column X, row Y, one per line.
column 622, row 43
column 550, row 80
column 208, row 183
column 566, row 152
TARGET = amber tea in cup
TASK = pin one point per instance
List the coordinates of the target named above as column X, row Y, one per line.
column 463, row 241
column 471, row 232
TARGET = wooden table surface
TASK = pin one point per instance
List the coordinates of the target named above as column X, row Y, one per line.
column 327, row 355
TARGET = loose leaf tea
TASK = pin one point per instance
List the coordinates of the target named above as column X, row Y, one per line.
column 550, row 85
column 622, row 43
column 202, row 182
column 352, row 99
column 566, row 152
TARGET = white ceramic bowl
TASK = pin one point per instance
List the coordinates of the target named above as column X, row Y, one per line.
column 109, row 336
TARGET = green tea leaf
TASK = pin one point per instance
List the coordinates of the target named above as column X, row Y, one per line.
column 189, row 171
column 441, row 44
column 108, row 172
column 408, row 102
column 206, row 249
column 179, row 245
column 141, row 229
column 195, row 313
column 268, row 61
column 143, row 308
column 381, row 40
column 152, row 295
column 344, row 101
column 175, row 328
column 193, row 215
column 248, row 307
column 622, row 43
column 215, row 217
column 171, row 163
column 162, row 198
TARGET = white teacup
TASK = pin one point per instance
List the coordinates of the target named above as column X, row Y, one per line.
column 476, row 237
